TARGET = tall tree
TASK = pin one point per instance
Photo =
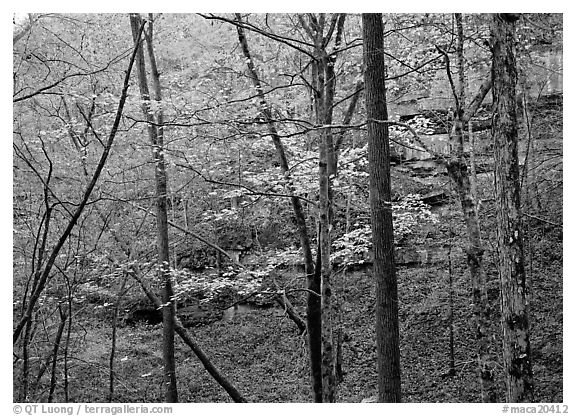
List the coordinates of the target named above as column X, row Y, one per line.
column 313, row 304
column 515, row 321
column 457, row 167
column 156, row 134
column 323, row 83
column 387, row 329
column 321, row 31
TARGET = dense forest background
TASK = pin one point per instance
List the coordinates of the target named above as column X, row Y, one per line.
column 236, row 157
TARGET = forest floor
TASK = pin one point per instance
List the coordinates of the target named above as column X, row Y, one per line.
column 263, row 355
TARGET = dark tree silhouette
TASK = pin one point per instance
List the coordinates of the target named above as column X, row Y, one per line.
column 387, row 331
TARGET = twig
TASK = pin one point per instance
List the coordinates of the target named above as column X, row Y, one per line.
column 87, row 193
column 543, row 220
column 414, row 135
column 239, row 185
column 184, row 230
column 449, row 73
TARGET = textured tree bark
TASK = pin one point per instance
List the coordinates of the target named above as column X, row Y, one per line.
column 326, row 168
column 387, row 329
column 156, row 134
column 481, row 312
column 324, row 83
column 452, row 358
column 458, row 171
column 515, row 319
column 328, row 358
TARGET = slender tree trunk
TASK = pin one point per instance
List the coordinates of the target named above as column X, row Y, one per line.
column 473, row 170
column 348, row 116
column 387, row 330
column 323, row 236
column 452, row 360
column 324, row 86
column 515, row 320
column 525, row 185
column 67, row 345
column 285, row 304
column 328, row 362
column 25, row 362
column 169, row 309
column 313, row 307
column 156, row 134
column 481, row 312
column 325, row 169
column 338, row 371
column 458, row 171
column 117, row 307
column 291, row 312
column 63, row 320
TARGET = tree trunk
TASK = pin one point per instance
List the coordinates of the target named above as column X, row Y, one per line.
column 23, row 394
column 325, row 169
column 63, row 320
column 452, row 358
column 115, row 313
column 515, row 321
column 313, row 311
column 458, row 171
column 67, row 347
column 387, row 331
column 481, row 313
column 473, row 170
column 156, row 134
column 324, row 86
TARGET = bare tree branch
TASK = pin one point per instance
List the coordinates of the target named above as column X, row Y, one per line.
column 194, row 346
column 248, row 26
column 50, row 262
